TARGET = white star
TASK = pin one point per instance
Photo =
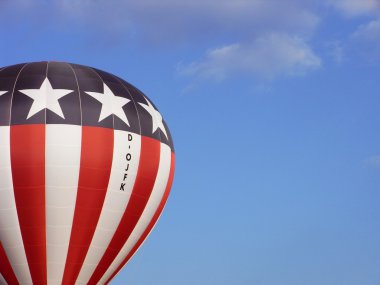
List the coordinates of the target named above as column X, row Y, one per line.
column 156, row 117
column 45, row 98
column 111, row 104
column 3, row 92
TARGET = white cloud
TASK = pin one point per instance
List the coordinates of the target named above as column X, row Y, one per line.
column 354, row 8
column 260, row 29
column 369, row 31
column 267, row 56
column 172, row 20
column 365, row 41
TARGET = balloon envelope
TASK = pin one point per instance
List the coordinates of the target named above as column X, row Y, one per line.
column 86, row 166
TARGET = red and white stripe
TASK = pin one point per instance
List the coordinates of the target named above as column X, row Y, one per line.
column 27, row 149
column 146, row 177
column 94, row 174
column 2, row 280
column 62, row 159
column 157, row 195
column 152, row 223
column 10, row 232
column 116, row 200
column 6, row 268
column 64, row 218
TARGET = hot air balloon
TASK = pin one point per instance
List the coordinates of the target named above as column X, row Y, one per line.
column 86, row 166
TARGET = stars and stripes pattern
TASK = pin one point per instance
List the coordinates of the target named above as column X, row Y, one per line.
column 86, row 166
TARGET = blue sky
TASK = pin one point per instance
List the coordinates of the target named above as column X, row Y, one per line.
column 274, row 111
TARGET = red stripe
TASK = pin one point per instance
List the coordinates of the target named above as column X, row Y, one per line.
column 95, row 168
column 6, row 268
column 28, row 170
column 145, row 179
column 152, row 222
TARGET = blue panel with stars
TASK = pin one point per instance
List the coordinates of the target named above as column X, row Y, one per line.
column 7, row 82
column 61, row 77
column 30, row 77
column 152, row 123
column 129, row 122
column 63, row 93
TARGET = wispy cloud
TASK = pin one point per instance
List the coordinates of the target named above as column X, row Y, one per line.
column 373, row 161
column 368, row 32
column 267, row 56
column 353, row 8
column 363, row 42
column 366, row 42
column 172, row 21
column 270, row 37
column 260, row 38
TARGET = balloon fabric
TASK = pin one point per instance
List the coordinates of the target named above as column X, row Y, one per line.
column 86, row 166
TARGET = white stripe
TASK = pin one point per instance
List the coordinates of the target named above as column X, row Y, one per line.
column 62, row 163
column 10, row 232
column 2, row 280
column 149, row 211
column 115, row 201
